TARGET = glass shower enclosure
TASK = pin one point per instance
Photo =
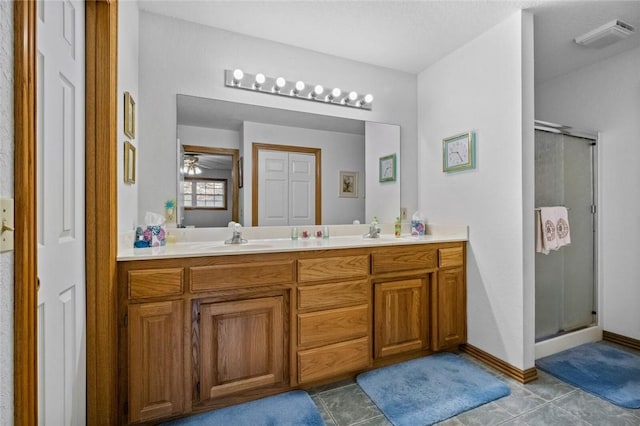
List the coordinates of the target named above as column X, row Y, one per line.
column 565, row 281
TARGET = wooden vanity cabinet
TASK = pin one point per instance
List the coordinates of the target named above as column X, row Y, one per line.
column 333, row 318
column 401, row 316
column 201, row 333
column 449, row 299
column 155, row 360
column 241, row 345
column 401, row 277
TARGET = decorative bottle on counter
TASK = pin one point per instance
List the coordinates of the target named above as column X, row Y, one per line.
column 398, row 227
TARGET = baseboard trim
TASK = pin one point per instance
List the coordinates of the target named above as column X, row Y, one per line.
column 522, row 376
column 621, row 340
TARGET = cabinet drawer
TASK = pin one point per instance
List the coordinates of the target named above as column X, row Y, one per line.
column 336, row 325
column 449, row 257
column 403, row 259
column 155, row 283
column 332, row 360
column 232, row 275
column 331, row 268
column 333, row 295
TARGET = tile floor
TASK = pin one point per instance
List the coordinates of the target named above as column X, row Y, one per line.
column 544, row 402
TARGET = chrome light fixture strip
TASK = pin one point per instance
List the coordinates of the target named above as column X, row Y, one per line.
column 296, row 89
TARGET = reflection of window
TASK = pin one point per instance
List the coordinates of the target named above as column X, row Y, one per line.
column 205, row 193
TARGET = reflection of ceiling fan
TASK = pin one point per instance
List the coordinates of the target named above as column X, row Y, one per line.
column 190, row 166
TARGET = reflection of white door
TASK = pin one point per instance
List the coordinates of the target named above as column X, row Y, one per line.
column 61, row 226
column 302, row 184
column 286, row 188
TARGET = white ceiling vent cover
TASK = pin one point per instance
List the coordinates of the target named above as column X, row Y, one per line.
column 605, row 35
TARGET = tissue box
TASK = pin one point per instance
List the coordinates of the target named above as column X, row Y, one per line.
column 417, row 227
column 151, row 236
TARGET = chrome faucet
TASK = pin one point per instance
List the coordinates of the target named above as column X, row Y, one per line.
column 374, row 230
column 236, row 238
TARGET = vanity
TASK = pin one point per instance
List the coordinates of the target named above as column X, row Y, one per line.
column 205, row 325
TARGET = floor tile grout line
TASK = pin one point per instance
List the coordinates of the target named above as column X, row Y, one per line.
column 327, row 410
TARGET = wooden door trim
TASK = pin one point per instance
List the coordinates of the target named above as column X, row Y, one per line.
column 25, row 278
column 235, row 170
column 101, row 210
column 256, row 147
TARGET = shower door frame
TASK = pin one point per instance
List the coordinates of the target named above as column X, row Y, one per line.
column 594, row 137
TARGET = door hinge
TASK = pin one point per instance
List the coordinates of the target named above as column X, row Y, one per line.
column 198, row 317
column 593, row 209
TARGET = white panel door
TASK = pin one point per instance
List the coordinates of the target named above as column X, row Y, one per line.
column 302, row 189
column 273, row 188
column 61, row 225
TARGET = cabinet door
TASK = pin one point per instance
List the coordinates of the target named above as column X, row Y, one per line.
column 242, row 345
column 401, row 323
column 449, row 309
column 155, row 360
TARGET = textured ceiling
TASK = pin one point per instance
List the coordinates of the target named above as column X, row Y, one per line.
column 411, row 35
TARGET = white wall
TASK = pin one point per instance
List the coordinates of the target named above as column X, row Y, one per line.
column 204, row 136
column 487, row 86
column 179, row 57
column 128, row 82
column 340, row 151
column 6, row 190
column 606, row 97
column 382, row 140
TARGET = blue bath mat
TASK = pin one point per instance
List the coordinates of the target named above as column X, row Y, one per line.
column 430, row 389
column 599, row 368
column 293, row 408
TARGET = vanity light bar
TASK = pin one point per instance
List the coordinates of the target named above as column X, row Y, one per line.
column 296, row 89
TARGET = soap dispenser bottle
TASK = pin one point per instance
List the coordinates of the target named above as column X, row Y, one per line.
column 398, row 227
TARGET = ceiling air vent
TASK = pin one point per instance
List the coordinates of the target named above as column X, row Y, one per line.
column 605, row 35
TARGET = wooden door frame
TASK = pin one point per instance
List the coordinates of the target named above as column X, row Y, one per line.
column 25, row 274
column 101, row 211
column 257, row 147
column 235, row 169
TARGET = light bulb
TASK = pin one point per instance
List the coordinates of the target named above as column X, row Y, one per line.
column 260, row 79
column 298, row 87
column 368, row 98
column 335, row 92
column 317, row 90
column 280, row 83
column 352, row 96
column 238, row 75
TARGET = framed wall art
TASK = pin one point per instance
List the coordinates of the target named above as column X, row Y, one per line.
column 348, row 184
column 129, row 162
column 129, row 115
column 387, row 168
column 459, row 152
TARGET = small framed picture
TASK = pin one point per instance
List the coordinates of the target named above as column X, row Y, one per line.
column 129, row 162
column 348, row 184
column 129, row 115
column 388, row 168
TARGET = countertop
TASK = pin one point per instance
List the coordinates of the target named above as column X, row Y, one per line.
column 216, row 247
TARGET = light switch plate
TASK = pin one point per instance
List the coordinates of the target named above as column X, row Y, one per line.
column 6, row 224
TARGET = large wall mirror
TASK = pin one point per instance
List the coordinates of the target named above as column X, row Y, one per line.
column 217, row 141
column 208, row 147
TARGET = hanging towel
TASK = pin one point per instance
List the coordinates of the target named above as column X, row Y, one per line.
column 552, row 229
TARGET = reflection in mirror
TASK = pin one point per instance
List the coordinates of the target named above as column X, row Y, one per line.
column 208, row 186
column 206, row 126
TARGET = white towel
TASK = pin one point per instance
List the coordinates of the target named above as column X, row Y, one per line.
column 552, row 229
